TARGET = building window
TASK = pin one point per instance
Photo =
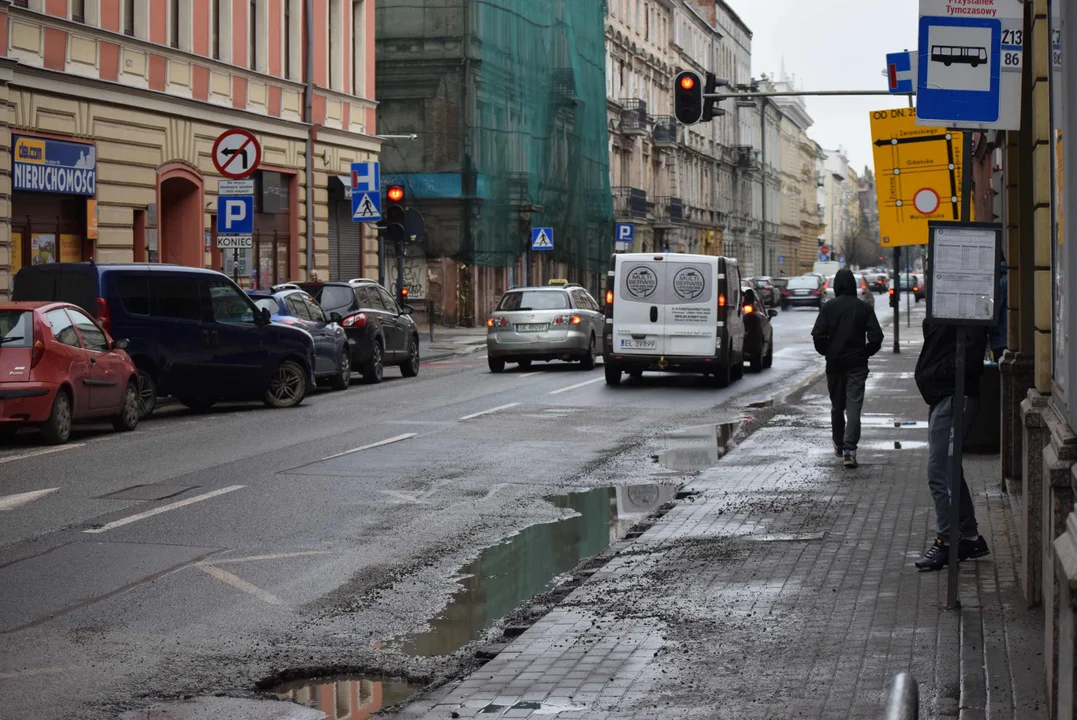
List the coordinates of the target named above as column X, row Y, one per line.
column 359, row 47
column 287, row 38
column 175, row 19
column 334, row 43
column 215, row 28
column 22, row 3
column 129, row 17
column 78, row 11
column 252, row 24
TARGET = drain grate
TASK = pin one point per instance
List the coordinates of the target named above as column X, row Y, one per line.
column 149, row 491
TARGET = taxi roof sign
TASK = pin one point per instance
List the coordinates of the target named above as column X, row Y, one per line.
column 558, row 281
column 917, row 175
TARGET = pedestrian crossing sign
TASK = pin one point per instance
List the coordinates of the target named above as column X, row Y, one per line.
column 366, row 206
column 542, row 238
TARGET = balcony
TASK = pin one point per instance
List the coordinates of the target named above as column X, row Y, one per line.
column 564, row 87
column 665, row 132
column 669, row 211
column 629, row 202
column 746, row 157
column 634, row 116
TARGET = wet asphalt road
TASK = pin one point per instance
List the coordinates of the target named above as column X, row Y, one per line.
column 279, row 541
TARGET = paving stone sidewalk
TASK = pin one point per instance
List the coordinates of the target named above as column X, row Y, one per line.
column 785, row 589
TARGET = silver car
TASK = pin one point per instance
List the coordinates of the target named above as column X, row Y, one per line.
column 544, row 323
column 863, row 291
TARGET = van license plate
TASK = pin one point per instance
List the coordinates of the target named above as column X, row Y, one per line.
column 532, row 327
column 640, row 344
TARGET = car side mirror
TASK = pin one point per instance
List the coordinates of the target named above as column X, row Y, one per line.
column 406, row 309
column 335, row 317
column 263, row 317
column 772, row 312
column 120, row 344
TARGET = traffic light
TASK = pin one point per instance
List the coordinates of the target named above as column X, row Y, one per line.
column 709, row 110
column 893, row 298
column 395, row 213
column 688, row 98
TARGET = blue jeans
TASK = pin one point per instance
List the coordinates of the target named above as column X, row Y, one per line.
column 940, row 440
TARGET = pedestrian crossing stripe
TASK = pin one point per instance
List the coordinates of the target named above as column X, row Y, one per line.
column 365, row 209
column 542, row 241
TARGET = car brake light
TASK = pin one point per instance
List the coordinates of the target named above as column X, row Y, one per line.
column 576, row 319
column 787, row 293
column 748, row 309
column 609, row 297
column 36, row 353
column 103, row 315
column 817, row 291
column 915, row 288
column 356, row 321
column 721, row 300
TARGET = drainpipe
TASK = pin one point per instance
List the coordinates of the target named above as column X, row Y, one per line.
column 308, row 117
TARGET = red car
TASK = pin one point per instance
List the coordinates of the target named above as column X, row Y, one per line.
column 57, row 367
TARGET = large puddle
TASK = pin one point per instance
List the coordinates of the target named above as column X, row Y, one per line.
column 509, row 574
column 696, row 448
column 346, row 697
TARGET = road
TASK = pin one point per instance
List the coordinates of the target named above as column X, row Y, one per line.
column 203, row 553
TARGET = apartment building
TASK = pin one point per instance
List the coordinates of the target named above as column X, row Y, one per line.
column 120, row 101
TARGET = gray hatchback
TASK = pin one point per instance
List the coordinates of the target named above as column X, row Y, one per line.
column 544, row 323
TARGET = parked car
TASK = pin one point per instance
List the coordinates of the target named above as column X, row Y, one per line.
column 765, row 291
column 332, row 348
column 758, row 333
column 544, row 323
column 878, row 281
column 58, row 367
column 803, row 290
column 380, row 331
column 863, row 292
column 672, row 312
column 779, row 284
column 192, row 333
column 913, row 282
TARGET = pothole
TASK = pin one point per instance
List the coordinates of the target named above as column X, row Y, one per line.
column 346, row 696
column 695, row 448
column 507, row 575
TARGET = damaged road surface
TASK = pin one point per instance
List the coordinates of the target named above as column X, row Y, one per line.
column 355, row 550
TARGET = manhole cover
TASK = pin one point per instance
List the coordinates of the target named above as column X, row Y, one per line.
column 150, row 491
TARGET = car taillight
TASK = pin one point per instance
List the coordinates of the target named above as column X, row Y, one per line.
column 103, row 315
column 721, row 300
column 609, row 297
column 916, row 288
column 498, row 322
column 817, row 291
column 748, row 309
column 36, row 353
column 356, row 321
column 567, row 320
column 787, row 293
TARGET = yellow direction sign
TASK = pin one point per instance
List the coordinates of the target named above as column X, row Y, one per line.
column 917, row 175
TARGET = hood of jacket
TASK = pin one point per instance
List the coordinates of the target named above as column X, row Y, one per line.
column 844, row 283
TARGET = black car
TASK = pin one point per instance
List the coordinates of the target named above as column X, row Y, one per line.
column 803, row 290
column 332, row 348
column 764, row 289
column 758, row 332
column 192, row 333
column 381, row 332
column 913, row 282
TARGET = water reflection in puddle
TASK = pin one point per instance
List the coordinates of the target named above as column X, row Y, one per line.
column 894, row 445
column 509, row 574
column 695, row 448
column 355, row 698
column 887, row 421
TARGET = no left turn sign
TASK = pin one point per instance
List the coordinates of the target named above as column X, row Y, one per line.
column 236, row 154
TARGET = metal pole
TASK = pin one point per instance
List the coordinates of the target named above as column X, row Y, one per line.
column 897, row 305
column 794, row 93
column 308, row 118
column 382, row 274
column 763, row 147
column 235, row 266
column 400, row 271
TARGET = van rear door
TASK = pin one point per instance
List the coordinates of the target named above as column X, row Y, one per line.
column 691, row 306
column 638, row 320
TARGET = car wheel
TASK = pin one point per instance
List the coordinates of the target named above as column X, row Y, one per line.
column 587, row 362
column 721, row 376
column 57, row 429
column 197, row 402
column 756, row 362
column 523, row 364
column 287, row 387
column 410, row 368
column 374, row 369
column 129, row 415
column 343, row 377
column 8, row 432
column 147, row 393
column 496, row 364
column 768, row 359
column 613, row 374
column 737, row 371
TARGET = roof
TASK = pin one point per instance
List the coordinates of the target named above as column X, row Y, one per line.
column 146, row 267
column 33, row 304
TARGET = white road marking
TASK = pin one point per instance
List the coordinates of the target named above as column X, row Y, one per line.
column 276, row 556
column 240, row 584
column 163, row 509
column 530, row 374
column 43, row 451
column 371, row 446
column 577, row 385
column 487, row 412
column 32, row 672
column 13, row 501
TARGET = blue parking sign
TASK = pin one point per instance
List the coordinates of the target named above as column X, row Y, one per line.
column 625, row 235
column 235, row 215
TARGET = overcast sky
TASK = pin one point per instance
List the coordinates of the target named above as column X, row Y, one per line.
column 832, row 45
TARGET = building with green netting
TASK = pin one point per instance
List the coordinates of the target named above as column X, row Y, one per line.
column 507, row 100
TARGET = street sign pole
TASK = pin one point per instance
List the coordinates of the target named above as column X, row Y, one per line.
column 897, row 304
column 235, row 266
column 400, row 269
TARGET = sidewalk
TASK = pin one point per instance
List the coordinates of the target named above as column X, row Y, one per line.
column 786, row 588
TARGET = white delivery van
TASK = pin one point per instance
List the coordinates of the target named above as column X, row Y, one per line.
column 670, row 312
column 827, row 269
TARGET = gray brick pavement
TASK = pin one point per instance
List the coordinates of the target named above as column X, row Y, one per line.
column 786, row 589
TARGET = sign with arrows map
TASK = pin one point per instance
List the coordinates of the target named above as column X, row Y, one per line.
column 917, row 175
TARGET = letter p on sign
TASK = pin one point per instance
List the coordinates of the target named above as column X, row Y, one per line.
column 235, row 215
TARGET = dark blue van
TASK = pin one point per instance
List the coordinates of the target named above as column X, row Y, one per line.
column 192, row 333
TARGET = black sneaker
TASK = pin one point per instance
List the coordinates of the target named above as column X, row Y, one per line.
column 838, row 451
column 936, row 558
column 972, row 549
column 849, row 459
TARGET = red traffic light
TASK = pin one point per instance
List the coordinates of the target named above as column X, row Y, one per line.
column 395, row 193
column 688, row 82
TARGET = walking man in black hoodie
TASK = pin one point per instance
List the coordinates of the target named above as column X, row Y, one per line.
column 847, row 333
column 936, row 375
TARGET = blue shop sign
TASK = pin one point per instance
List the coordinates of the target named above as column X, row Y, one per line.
column 54, row 166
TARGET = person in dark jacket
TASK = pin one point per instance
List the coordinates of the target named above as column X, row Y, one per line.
column 847, row 333
column 936, row 375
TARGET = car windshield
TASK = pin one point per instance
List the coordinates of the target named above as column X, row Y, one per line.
column 267, row 303
column 534, row 300
column 16, row 329
column 802, row 283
